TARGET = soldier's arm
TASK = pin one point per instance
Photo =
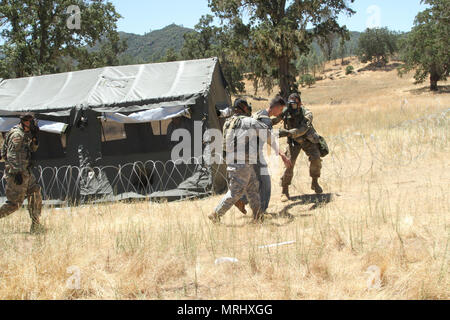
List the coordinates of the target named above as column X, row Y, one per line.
column 283, row 133
column 299, row 132
column 276, row 148
column 308, row 115
column 15, row 154
column 263, row 131
column 277, row 120
column 269, row 137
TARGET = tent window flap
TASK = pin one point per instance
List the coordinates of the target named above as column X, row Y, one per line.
column 158, row 114
column 7, row 124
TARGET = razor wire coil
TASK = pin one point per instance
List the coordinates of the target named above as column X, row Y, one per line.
column 351, row 155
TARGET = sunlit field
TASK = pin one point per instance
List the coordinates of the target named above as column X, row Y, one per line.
column 380, row 231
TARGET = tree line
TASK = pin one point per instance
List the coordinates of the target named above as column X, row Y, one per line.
column 271, row 43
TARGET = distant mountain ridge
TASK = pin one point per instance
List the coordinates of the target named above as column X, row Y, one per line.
column 152, row 46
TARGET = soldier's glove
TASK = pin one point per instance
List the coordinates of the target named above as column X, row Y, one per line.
column 34, row 129
column 284, row 133
column 18, row 179
column 298, row 133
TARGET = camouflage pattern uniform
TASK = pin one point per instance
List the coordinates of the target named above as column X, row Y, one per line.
column 16, row 152
column 303, row 137
column 242, row 177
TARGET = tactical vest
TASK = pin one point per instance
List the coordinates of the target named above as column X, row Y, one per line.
column 293, row 120
column 26, row 141
column 228, row 128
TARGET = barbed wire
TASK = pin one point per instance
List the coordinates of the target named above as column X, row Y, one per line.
column 139, row 179
column 357, row 154
column 351, row 155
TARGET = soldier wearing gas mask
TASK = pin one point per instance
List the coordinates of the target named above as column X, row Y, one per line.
column 20, row 142
column 301, row 136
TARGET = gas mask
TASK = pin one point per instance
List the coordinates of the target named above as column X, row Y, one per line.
column 293, row 105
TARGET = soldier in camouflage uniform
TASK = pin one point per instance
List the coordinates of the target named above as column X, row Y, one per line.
column 301, row 136
column 18, row 146
column 274, row 110
column 241, row 156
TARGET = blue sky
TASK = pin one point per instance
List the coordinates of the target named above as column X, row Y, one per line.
column 141, row 16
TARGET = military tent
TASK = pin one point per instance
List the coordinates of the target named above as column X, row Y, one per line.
column 104, row 131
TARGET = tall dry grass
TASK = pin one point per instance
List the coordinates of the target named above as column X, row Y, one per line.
column 380, row 212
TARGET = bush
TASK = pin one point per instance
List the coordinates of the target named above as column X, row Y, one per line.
column 425, row 48
column 307, row 80
column 349, row 70
column 377, row 45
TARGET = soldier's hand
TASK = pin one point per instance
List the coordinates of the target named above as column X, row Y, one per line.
column 34, row 129
column 298, row 133
column 18, row 179
column 283, row 133
column 276, row 120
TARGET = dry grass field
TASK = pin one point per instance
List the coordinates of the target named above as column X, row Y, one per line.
column 381, row 230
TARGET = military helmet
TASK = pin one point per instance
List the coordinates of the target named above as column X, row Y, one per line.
column 27, row 117
column 240, row 104
column 295, row 96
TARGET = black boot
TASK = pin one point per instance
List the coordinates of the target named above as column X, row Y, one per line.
column 316, row 186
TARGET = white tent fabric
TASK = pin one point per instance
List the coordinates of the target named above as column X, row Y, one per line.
column 7, row 124
column 158, row 114
column 110, row 89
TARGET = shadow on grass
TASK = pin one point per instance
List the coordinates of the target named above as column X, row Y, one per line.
column 318, row 200
column 426, row 89
column 268, row 220
column 290, row 218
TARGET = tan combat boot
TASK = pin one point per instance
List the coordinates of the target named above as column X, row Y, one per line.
column 285, row 194
column 241, row 206
column 316, row 187
column 214, row 217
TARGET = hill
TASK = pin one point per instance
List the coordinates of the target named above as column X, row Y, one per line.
column 152, row 46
